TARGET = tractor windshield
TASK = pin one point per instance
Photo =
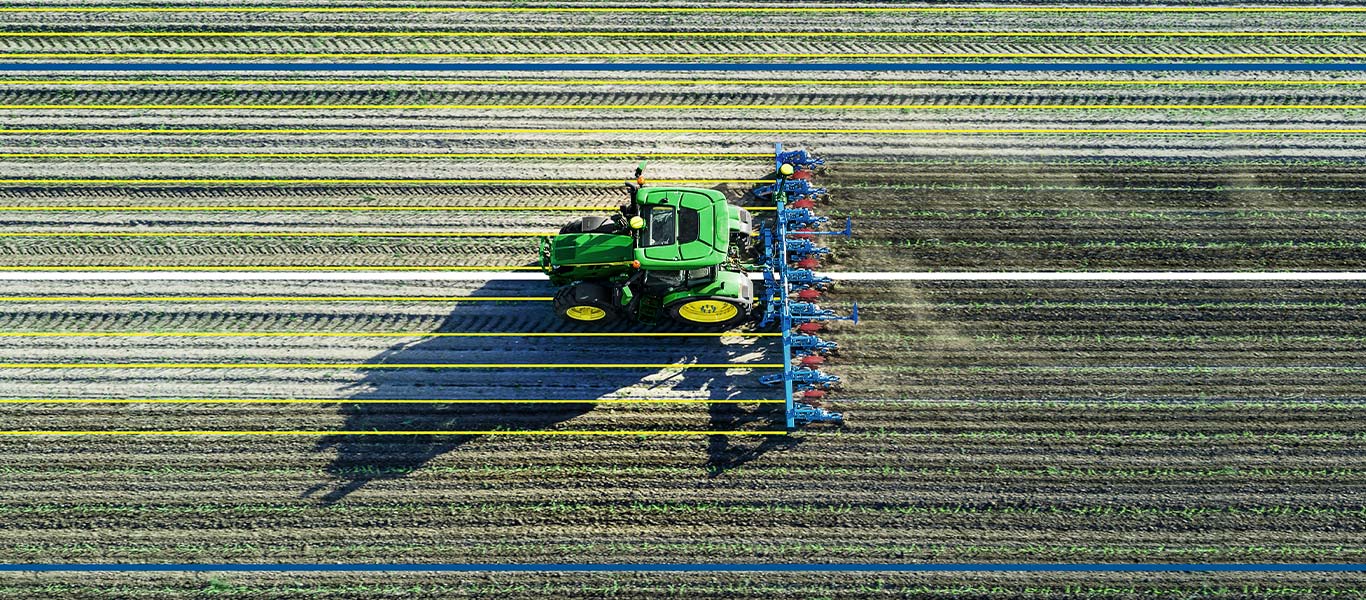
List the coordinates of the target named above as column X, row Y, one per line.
column 659, row 227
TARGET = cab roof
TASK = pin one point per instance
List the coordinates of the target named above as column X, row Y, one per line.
column 694, row 198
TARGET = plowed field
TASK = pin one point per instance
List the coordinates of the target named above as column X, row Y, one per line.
column 373, row 421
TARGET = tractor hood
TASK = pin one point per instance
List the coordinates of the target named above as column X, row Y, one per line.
column 591, row 248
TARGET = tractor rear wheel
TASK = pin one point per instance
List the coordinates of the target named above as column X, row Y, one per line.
column 709, row 311
column 586, row 303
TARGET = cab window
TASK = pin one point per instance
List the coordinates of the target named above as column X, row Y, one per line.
column 689, row 225
column 659, row 227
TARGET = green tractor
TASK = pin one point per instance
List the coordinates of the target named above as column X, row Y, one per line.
column 671, row 252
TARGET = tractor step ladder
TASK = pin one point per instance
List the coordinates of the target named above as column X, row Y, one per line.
column 790, row 286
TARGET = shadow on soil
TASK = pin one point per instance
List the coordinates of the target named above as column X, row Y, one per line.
column 362, row 459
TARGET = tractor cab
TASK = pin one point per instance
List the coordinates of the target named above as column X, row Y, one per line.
column 681, row 227
column 674, row 250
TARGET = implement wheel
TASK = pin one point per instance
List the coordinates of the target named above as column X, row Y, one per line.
column 585, row 303
column 709, row 311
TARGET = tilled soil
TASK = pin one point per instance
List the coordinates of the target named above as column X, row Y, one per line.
column 1152, row 341
column 684, row 585
column 937, row 175
column 909, row 215
column 987, row 421
column 975, row 432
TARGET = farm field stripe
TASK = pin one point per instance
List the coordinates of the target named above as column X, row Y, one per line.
column 357, row 181
column 687, row 567
column 680, row 106
column 1107, row 276
column 1111, row 188
column 1226, row 404
column 683, row 10
column 266, row 234
column 304, row 269
column 289, row 207
column 361, row 334
column 362, row 432
column 275, row 299
column 688, row 55
column 368, row 366
column 988, row 130
column 689, row 66
column 143, row 274
column 674, row 34
column 282, row 275
column 316, row 155
column 662, row 82
column 371, row 401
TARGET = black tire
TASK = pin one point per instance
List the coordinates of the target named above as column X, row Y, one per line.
column 589, row 225
column 678, row 311
column 571, row 302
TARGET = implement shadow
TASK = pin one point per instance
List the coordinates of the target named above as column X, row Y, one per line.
column 360, row 460
column 725, row 452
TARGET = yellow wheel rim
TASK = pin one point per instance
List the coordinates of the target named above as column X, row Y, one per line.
column 585, row 313
column 708, row 311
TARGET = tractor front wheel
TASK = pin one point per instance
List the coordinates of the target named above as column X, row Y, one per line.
column 586, row 303
column 709, row 311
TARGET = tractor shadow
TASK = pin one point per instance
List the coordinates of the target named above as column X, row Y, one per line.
column 359, row 460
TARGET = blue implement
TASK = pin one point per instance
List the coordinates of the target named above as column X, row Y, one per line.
column 785, row 242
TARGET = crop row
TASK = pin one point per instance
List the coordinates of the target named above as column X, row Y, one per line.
column 657, row 473
column 517, row 586
column 809, row 46
column 878, row 96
